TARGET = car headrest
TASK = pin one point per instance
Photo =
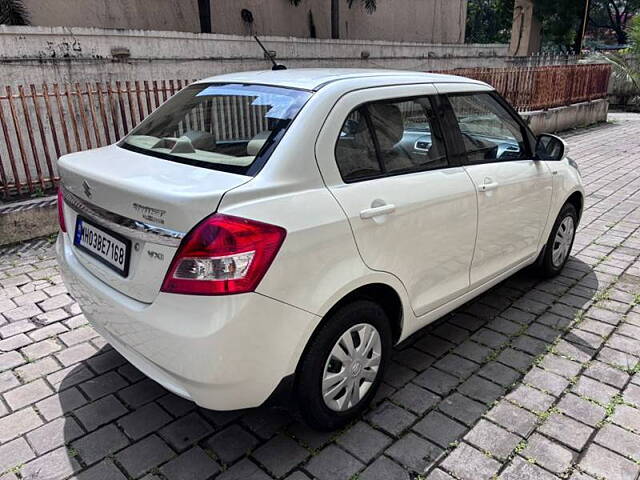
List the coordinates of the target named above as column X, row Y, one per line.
column 387, row 121
column 256, row 143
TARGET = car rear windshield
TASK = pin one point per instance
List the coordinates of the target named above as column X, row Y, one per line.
column 229, row 127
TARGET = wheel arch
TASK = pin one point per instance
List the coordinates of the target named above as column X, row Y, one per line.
column 577, row 200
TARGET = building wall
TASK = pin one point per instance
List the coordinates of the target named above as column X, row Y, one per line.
column 178, row 15
column 432, row 21
column 56, row 54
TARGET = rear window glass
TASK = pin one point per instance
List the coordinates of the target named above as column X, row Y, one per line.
column 219, row 126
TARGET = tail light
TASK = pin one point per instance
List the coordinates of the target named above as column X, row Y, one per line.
column 63, row 226
column 223, row 255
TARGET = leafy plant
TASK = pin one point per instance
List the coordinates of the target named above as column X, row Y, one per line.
column 13, row 12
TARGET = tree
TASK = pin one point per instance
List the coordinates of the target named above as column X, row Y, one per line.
column 489, row 21
column 561, row 22
column 613, row 15
column 12, row 12
column 369, row 5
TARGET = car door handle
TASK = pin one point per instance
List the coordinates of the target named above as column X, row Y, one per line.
column 486, row 187
column 377, row 211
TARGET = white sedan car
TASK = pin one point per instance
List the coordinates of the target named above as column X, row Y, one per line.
column 278, row 232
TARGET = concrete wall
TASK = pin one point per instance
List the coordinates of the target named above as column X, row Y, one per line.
column 433, row 21
column 56, row 54
column 564, row 118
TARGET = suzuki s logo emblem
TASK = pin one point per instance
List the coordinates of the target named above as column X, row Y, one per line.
column 87, row 188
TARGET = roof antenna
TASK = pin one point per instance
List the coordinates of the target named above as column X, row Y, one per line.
column 276, row 66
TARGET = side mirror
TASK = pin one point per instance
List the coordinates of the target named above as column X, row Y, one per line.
column 550, row 147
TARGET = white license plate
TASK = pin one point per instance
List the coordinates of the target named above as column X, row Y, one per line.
column 108, row 247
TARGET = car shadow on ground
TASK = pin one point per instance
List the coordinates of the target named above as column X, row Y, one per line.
column 441, row 381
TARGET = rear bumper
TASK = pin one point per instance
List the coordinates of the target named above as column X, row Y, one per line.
column 224, row 352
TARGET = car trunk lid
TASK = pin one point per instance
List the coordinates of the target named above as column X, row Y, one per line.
column 150, row 202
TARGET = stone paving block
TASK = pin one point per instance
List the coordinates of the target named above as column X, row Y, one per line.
column 100, row 412
column 79, row 335
column 185, row 431
column 142, row 392
column 546, row 381
column 37, row 369
column 52, row 466
column 513, row 418
column 489, row 338
column 391, row 418
column 18, row 423
column 467, row 463
column 439, row 475
column 473, row 351
column 456, row 365
column 15, row 342
column 481, row 390
column 105, row 470
column 548, row 454
column 68, row 377
column 27, row 394
column 581, row 409
column 560, row 366
column 462, row 408
column 32, row 297
column 617, row 358
column 364, row 442
column 59, row 301
column 309, row 438
column 520, row 469
column 631, row 395
column 333, row 463
column 54, row 434
column 76, row 354
column 280, row 455
column 620, row 441
column 21, row 313
column 384, row 469
column 103, row 362
column 439, row 429
column 517, row 360
column 603, row 463
column 436, row 381
column 627, row 417
column 415, row 399
column 143, row 421
column 414, row 453
column 194, row 464
column 103, row 385
column 141, row 457
column 529, row 345
column 41, row 349
column 398, row 375
column 60, row 403
column 488, row 437
column 244, row 469
column 607, row 374
column 13, row 454
column 265, row 424
column 98, row 444
column 499, row 373
column 566, row 430
column 594, row 390
column 414, row 359
column 232, row 443
column 531, row 399
column 14, row 328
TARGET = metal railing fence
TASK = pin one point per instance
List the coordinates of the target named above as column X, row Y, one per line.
column 38, row 124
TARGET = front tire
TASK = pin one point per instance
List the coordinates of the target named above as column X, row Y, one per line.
column 343, row 365
column 558, row 248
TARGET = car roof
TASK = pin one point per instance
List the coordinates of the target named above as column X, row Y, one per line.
column 316, row 78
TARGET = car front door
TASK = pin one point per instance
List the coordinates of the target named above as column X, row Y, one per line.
column 514, row 190
column 412, row 212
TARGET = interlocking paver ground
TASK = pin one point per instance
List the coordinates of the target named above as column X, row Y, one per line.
column 534, row 379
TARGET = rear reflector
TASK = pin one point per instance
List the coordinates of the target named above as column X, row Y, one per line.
column 63, row 227
column 223, row 255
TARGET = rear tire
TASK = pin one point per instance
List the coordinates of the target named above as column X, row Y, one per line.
column 343, row 365
column 558, row 248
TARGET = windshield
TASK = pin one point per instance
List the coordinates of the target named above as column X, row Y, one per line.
column 219, row 126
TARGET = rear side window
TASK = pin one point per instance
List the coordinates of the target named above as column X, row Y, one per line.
column 218, row 126
column 488, row 130
column 389, row 138
column 355, row 150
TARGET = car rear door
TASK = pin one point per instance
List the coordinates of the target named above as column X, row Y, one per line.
column 412, row 210
column 514, row 190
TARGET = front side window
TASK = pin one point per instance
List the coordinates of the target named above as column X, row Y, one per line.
column 489, row 131
column 218, row 126
column 389, row 138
